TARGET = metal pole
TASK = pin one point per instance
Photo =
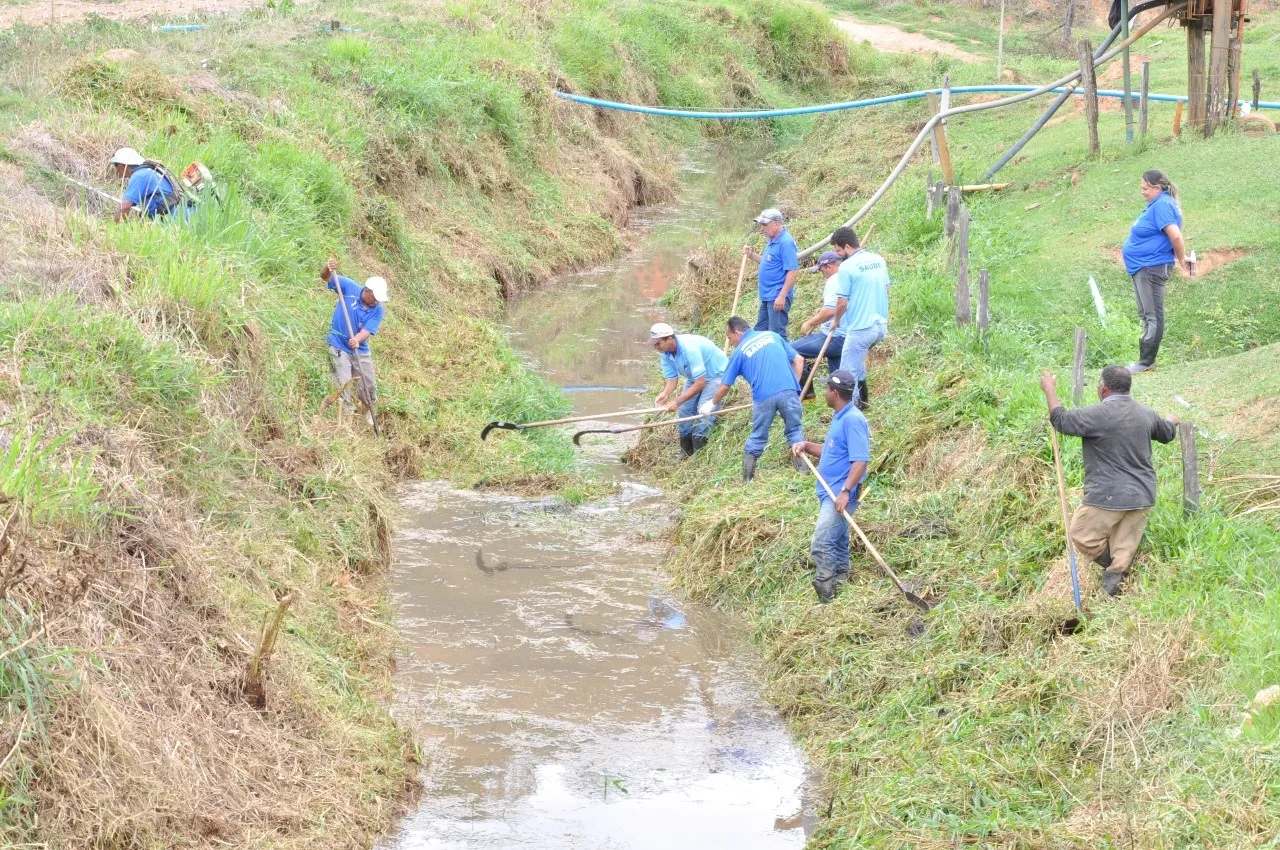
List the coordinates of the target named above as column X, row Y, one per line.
column 1128, row 80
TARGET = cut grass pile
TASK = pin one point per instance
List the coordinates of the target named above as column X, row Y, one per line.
column 164, row 478
column 1001, row 726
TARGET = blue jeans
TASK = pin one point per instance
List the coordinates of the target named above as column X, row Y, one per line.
column 856, row 345
column 830, row 545
column 787, row 405
column 809, row 346
column 769, row 319
column 700, row 427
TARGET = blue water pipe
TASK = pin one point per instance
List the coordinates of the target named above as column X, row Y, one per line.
column 853, row 104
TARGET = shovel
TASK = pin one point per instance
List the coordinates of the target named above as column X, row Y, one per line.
column 578, row 436
column 910, row 597
column 520, row 426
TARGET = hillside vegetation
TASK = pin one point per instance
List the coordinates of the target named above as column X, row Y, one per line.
column 165, row 475
column 1003, row 723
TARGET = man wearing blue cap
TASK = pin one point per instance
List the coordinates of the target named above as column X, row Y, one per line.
column 810, row 344
column 779, row 265
column 772, row 368
column 701, row 363
column 842, row 464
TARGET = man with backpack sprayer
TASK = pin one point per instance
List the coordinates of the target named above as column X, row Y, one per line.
column 356, row 317
column 772, row 368
column 842, row 460
column 1119, row 475
column 151, row 190
column 701, row 363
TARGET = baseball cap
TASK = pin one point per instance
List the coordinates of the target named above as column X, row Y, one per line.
column 842, row 379
column 127, row 156
column 378, row 287
column 770, row 214
column 829, row 257
column 660, row 331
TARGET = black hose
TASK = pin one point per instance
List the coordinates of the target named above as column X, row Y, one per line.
column 1062, row 98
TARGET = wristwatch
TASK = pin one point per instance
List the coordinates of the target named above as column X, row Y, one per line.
column 846, row 490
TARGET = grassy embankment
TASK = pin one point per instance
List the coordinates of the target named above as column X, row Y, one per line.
column 165, row 476
column 994, row 728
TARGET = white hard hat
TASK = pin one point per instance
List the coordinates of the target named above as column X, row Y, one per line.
column 378, row 287
column 660, row 331
column 127, row 156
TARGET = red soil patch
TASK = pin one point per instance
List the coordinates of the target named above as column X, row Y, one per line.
column 1206, row 261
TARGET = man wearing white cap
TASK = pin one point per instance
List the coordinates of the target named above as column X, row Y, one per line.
column 356, row 318
column 701, row 363
column 779, row 265
column 151, row 189
column 815, row 328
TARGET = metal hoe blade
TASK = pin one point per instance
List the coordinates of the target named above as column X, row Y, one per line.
column 509, row 426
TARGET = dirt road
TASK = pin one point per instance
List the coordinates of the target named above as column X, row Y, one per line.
column 893, row 40
column 162, row 11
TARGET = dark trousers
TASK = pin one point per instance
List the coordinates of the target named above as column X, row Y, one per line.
column 1148, row 288
column 769, row 319
column 809, row 346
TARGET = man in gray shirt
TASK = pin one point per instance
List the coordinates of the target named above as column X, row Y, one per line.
column 1119, row 476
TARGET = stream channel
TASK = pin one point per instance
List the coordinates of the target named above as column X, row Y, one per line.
column 564, row 697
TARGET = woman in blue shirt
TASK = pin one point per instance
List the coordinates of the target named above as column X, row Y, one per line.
column 1153, row 246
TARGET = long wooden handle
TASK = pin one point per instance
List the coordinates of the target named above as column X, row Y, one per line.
column 682, row 419
column 875, row 553
column 742, row 273
column 591, row 418
column 814, row 371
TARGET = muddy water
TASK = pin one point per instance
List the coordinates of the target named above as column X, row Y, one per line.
column 564, row 697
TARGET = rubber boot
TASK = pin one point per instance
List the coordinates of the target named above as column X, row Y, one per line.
column 686, row 446
column 1111, row 582
column 864, row 395
column 1104, row 560
column 699, row 443
column 825, row 589
column 748, row 466
column 804, row 379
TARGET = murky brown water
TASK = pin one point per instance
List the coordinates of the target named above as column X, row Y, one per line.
column 564, row 697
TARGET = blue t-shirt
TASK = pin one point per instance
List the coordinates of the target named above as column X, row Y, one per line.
column 1148, row 245
column 146, row 190
column 778, row 257
column 695, row 357
column 362, row 318
column 864, row 280
column 763, row 358
column 848, row 441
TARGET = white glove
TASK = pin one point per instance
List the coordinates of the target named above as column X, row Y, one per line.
column 706, row 407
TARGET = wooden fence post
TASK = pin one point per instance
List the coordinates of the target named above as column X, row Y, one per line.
column 1257, row 89
column 1219, row 59
column 1190, row 469
column 953, row 212
column 1143, row 98
column 932, row 100
column 964, row 305
column 1077, row 370
column 984, row 302
column 1089, row 81
column 930, row 198
column 1195, row 73
column 1234, row 50
column 940, row 131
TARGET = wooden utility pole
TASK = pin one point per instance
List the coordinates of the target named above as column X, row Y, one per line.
column 1219, row 65
column 1143, row 98
column 964, row 301
column 1090, row 83
column 1195, row 74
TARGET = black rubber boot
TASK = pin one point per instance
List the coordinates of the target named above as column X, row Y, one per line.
column 1104, row 560
column 864, row 395
column 699, row 443
column 1111, row 582
column 686, row 446
column 748, row 466
column 804, row 379
column 825, row 589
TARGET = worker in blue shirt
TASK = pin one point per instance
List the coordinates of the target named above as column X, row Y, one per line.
column 151, row 189
column 772, row 368
column 862, row 305
column 349, row 343
column 779, row 265
column 814, row 330
column 842, row 464
column 701, row 363
column 1154, row 245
